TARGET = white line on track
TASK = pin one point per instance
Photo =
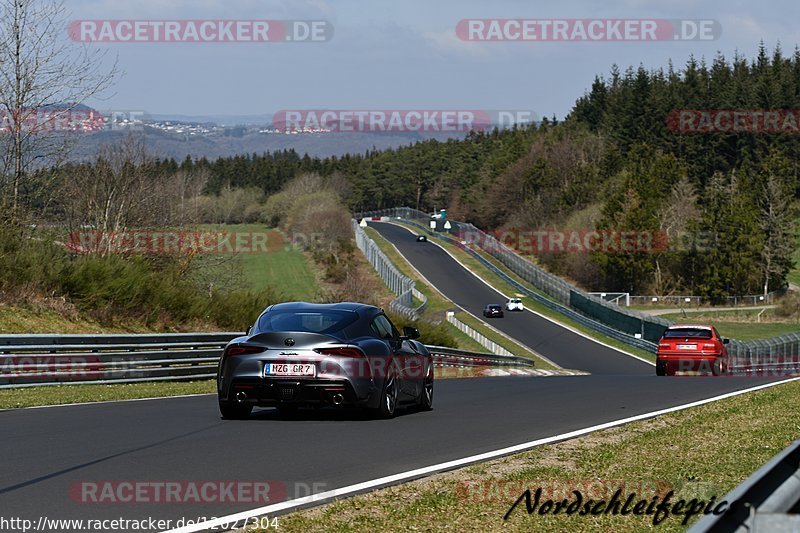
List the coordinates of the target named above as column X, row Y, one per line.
column 366, row 486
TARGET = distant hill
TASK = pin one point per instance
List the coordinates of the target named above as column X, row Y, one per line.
column 166, row 145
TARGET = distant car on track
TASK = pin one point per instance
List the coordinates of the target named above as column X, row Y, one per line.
column 493, row 311
column 324, row 354
column 422, row 238
column 514, row 304
column 686, row 347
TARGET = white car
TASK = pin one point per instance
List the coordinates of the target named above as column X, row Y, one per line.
column 514, row 304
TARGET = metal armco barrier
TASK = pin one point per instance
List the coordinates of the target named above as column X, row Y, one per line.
column 453, row 357
column 42, row 360
column 403, row 286
column 766, row 501
column 478, row 337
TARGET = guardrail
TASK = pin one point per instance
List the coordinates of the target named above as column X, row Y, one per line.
column 478, row 337
column 453, row 357
column 44, row 360
column 403, row 286
column 763, row 502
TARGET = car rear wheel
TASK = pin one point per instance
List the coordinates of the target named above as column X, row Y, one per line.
column 661, row 368
column 389, row 394
column 234, row 411
column 425, row 400
column 718, row 368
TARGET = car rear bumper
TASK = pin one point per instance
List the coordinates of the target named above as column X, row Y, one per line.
column 688, row 363
column 353, row 378
column 271, row 392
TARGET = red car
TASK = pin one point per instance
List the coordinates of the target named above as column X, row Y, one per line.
column 687, row 347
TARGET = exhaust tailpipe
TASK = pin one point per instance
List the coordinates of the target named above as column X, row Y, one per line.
column 241, row 397
column 338, row 399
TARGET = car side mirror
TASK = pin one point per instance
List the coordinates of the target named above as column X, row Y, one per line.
column 249, row 329
column 726, row 341
column 410, row 332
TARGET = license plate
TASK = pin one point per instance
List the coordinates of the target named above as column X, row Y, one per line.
column 687, row 346
column 289, row 369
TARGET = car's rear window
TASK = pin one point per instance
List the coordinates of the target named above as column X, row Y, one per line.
column 328, row 321
column 686, row 333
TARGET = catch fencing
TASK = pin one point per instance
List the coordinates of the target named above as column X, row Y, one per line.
column 401, row 285
column 780, row 355
column 697, row 301
column 44, row 360
column 776, row 356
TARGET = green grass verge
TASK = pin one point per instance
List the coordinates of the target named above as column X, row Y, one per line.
column 506, row 288
column 26, row 318
column 699, row 453
column 285, row 269
column 64, row 394
column 503, row 341
column 438, row 305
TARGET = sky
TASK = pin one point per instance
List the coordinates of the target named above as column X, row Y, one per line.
column 404, row 54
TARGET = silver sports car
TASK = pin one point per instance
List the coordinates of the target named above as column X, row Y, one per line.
column 324, row 354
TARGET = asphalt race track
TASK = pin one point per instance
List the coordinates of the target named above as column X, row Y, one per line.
column 560, row 345
column 46, row 452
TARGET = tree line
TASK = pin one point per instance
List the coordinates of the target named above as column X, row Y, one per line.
column 614, row 163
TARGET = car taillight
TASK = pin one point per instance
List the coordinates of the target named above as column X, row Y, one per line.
column 341, row 352
column 709, row 345
column 664, row 345
column 238, row 349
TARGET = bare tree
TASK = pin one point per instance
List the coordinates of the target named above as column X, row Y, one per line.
column 775, row 219
column 189, row 185
column 677, row 213
column 40, row 70
column 115, row 193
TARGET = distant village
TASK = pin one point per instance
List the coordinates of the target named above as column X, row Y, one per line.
column 210, row 129
column 82, row 119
